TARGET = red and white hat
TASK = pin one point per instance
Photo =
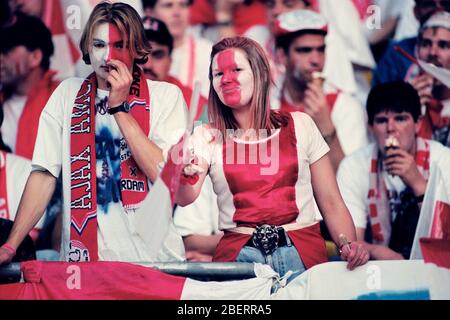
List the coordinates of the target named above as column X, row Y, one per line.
column 299, row 20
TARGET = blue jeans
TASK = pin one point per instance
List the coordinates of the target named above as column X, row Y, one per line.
column 283, row 259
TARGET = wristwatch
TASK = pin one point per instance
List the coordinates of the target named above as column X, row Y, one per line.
column 124, row 107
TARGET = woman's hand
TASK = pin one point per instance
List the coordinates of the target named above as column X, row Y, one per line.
column 355, row 253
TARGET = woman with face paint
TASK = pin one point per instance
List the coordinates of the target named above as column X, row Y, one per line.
column 106, row 133
column 268, row 168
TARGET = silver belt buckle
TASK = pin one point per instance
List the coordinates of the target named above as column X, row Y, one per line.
column 265, row 238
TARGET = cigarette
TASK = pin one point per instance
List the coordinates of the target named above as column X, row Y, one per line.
column 344, row 242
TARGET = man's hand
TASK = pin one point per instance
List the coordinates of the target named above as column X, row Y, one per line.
column 120, row 79
column 424, row 86
column 316, row 106
column 400, row 163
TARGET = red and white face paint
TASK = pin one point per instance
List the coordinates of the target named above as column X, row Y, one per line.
column 233, row 78
column 108, row 44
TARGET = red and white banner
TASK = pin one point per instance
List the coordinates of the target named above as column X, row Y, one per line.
column 103, row 280
column 434, row 219
column 377, row 280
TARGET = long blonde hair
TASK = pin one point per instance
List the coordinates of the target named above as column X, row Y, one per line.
column 127, row 20
column 221, row 116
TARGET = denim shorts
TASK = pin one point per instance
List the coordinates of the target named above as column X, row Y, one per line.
column 283, row 259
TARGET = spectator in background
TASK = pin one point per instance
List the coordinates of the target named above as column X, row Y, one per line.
column 160, row 59
column 383, row 184
column 434, row 47
column 27, row 83
column 338, row 69
column 217, row 19
column 189, row 53
column 393, row 66
column 52, row 14
column 339, row 117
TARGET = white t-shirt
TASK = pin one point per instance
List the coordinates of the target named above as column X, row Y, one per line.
column 348, row 117
column 12, row 110
column 353, row 179
column 117, row 239
column 183, row 60
column 310, row 148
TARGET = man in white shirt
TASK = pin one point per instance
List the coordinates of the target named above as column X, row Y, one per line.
column 107, row 135
column 301, row 38
column 25, row 50
column 384, row 183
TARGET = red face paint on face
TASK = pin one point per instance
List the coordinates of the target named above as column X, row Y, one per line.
column 229, row 83
column 117, row 46
column 233, row 79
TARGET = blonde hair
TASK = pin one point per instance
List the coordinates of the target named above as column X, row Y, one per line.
column 127, row 20
column 221, row 116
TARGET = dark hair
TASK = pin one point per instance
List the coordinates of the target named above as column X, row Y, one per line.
column 152, row 3
column 30, row 32
column 397, row 96
column 5, row 12
column 156, row 30
column 129, row 23
column 284, row 41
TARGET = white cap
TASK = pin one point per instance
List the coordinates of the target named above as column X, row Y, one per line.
column 440, row 19
column 299, row 20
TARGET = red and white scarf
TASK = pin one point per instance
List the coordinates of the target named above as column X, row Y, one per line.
column 378, row 195
column 83, row 231
column 29, row 119
column 4, row 209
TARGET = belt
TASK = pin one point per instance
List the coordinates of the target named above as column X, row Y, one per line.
column 268, row 238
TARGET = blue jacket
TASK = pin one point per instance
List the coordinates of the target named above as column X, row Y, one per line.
column 393, row 66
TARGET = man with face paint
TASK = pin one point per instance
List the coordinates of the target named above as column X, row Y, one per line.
column 384, row 184
column 107, row 135
column 339, row 117
column 267, row 167
column 26, row 81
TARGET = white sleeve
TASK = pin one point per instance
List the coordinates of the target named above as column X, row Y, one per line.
column 350, row 121
column 309, row 137
column 353, row 183
column 168, row 114
column 48, row 147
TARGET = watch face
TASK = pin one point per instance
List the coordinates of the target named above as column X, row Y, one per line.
column 126, row 106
